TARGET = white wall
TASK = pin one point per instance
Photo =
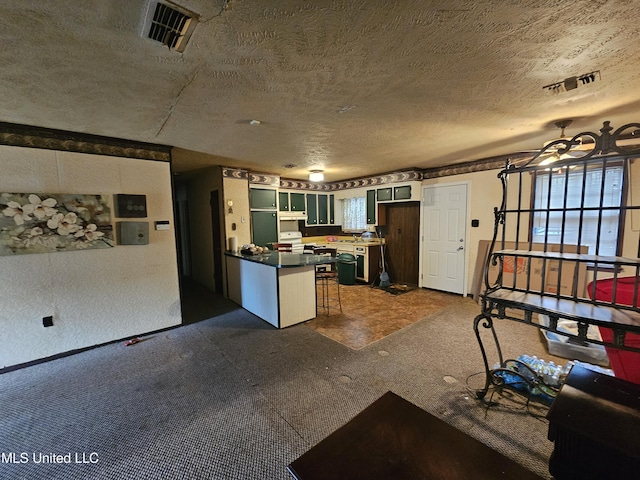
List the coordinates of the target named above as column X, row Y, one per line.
column 95, row 296
column 632, row 220
column 237, row 191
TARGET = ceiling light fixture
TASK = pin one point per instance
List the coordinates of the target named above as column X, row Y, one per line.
column 553, row 155
column 316, row 176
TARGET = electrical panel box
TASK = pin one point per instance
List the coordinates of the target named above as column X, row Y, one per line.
column 130, row 206
column 132, row 233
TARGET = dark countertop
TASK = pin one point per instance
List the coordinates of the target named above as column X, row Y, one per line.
column 284, row 260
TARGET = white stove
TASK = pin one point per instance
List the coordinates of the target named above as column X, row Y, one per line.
column 294, row 238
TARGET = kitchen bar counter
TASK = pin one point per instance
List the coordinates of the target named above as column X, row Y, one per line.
column 280, row 288
column 284, row 260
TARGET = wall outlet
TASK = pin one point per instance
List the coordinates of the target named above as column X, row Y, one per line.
column 47, row 321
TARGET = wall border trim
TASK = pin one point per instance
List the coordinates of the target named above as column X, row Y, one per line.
column 17, row 135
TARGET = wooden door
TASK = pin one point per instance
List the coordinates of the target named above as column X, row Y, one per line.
column 402, row 237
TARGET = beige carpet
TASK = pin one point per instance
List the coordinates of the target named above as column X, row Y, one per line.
column 370, row 314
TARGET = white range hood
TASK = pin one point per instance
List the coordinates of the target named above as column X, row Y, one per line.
column 293, row 216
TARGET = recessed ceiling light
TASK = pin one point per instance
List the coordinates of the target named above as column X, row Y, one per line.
column 250, row 121
column 346, row 108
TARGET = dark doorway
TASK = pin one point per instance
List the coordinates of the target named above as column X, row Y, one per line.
column 217, row 240
column 402, row 236
column 183, row 243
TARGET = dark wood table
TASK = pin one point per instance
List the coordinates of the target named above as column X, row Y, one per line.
column 394, row 439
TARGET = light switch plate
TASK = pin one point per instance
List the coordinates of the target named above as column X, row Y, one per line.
column 162, row 225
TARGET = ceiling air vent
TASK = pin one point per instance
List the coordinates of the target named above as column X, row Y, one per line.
column 170, row 25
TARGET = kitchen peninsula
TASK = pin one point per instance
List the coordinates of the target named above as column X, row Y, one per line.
column 280, row 288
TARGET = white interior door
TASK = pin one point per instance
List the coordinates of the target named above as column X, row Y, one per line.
column 444, row 238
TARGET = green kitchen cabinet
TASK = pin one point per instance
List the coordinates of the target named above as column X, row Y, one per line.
column 312, row 209
column 371, row 207
column 283, row 201
column 384, row 194
column 291, row 202
column 332, row 210
column 262, row 198
column 296, row 202
column 402, row 193
column 323, row 209
column 264, row 228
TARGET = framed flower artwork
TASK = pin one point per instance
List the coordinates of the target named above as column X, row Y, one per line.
column 44, row 223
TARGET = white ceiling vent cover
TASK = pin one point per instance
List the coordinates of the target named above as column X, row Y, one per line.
column 169, row 25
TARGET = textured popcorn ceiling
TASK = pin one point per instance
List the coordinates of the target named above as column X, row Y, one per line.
column 351, row 87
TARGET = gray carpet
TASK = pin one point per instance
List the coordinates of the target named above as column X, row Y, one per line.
column 232, row 398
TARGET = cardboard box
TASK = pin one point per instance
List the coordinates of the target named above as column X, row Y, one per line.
column 477, row 286
column 510, row 264
column 525, row 273
column 567, row 270
column 519, row 272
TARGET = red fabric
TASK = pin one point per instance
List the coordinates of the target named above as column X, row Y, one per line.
column 625, row 365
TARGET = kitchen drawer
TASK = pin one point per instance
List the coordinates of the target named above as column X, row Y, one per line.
column 345, row 248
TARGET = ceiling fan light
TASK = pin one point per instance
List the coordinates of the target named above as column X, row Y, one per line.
column 547, row 161
column 316, row 176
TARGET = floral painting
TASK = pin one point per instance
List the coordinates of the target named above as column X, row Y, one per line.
column 42, row 223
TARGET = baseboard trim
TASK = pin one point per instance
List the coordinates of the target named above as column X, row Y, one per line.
column 68, row 353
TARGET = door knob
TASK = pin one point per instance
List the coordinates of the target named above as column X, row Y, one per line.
column 460, row 248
